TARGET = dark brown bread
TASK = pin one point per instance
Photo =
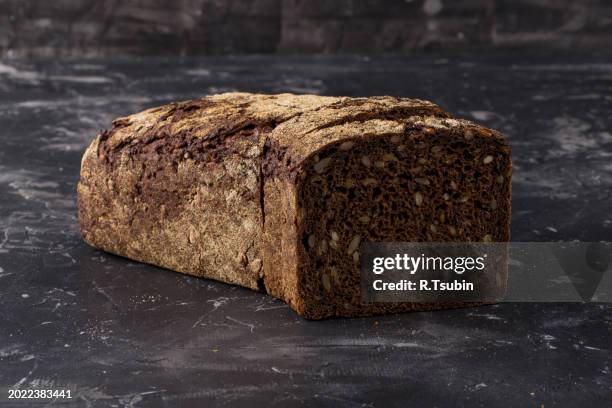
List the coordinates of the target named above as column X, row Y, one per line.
column 276, row 192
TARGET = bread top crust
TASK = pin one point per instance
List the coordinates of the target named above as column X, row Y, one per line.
column 294, row 127
column 217, row 116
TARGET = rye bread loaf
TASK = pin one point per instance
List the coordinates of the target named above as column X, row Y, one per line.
column 276, row 192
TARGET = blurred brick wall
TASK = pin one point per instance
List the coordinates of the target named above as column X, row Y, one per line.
column 202, row 27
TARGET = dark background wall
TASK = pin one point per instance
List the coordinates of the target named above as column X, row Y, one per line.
column 201, row 27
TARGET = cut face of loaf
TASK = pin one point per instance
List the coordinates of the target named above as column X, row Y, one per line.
column 429, row 184
column 277, row 192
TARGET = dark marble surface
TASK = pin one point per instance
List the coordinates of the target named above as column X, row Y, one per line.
column 117, row 333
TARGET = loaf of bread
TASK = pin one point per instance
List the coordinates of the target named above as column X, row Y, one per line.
column 276, row 192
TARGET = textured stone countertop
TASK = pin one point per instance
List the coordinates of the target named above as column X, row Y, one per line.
column 118, row 333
